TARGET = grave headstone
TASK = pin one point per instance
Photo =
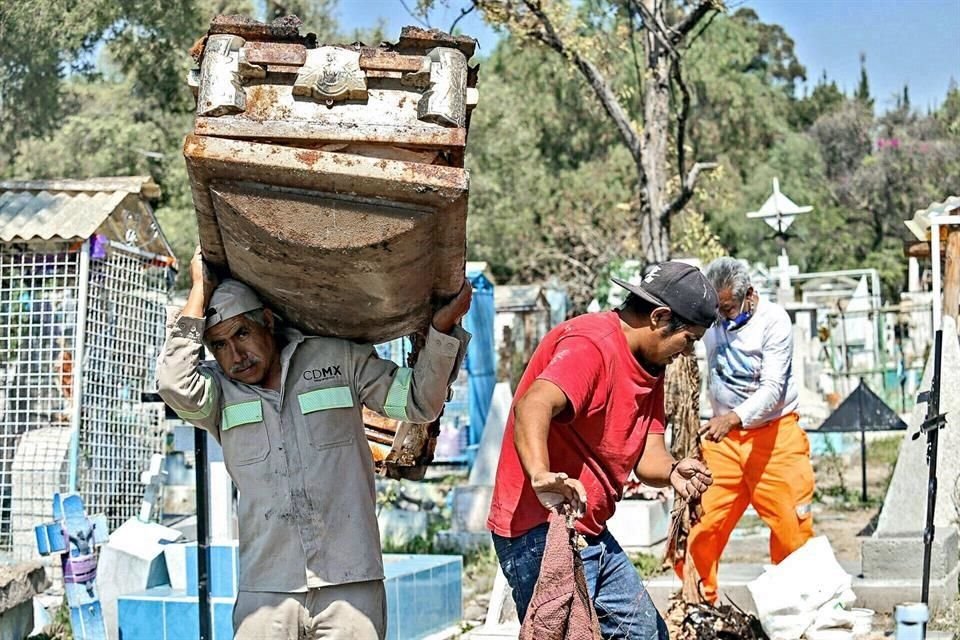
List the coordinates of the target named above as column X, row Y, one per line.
column 471, row 503
column 488, row 454
column 40, row 468
column 904, row 509
column 75, row 536
column 895, row 550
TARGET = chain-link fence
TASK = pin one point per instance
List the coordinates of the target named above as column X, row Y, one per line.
column 79, row 336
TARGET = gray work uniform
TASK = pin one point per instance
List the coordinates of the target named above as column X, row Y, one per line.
column 356, row 610
column 299, row 456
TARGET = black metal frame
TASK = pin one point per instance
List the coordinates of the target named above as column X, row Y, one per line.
column 203, row 572
column 931, row 426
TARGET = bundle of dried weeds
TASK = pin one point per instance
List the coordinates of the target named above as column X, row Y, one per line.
column 688, row 621
column 682, row 404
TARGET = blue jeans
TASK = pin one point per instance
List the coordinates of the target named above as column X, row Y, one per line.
column 623, row 606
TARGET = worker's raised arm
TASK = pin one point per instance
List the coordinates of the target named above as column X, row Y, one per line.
column 187, row 386
column 416, row 394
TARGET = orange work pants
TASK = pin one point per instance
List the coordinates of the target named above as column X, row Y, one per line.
column 768, row 467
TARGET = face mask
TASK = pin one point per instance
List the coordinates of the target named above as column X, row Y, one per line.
column 742, row 317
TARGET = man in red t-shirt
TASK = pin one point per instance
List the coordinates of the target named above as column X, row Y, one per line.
column 587, row 412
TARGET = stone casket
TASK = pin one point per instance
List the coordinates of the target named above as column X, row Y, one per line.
column 330, row 178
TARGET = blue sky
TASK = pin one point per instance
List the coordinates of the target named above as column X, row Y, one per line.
column 906, row 41
column 916, row 42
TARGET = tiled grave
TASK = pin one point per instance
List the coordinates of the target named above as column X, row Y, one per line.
column 423, row 597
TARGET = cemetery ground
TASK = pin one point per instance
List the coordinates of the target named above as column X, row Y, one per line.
column 838, row 511
column 839, row 514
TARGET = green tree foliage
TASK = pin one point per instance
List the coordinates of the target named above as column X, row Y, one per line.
column 100, row 90
column 863, row 174
column 949, row 114
column 862, row 94
column 44, row 43
column 773, row 56
column 550, row 181
column 844, row 137
column 741, row 73
column 825, row 98
column 96, row 88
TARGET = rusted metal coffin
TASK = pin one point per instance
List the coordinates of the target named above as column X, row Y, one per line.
column 331, row 178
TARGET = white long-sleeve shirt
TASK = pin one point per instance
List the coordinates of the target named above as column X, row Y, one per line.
column 750, row 370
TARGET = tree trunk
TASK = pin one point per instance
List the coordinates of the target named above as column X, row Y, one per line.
column 651, row 146
column 654, row 229
column 951, row 275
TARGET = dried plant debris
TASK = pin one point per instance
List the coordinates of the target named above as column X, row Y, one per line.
column 707, row 622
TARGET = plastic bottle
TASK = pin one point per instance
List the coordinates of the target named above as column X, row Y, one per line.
column 911, row 620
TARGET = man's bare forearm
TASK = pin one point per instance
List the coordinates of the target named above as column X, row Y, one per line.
column 204, row 281
column 532, row 426
column 656, row 463
column 196, row 306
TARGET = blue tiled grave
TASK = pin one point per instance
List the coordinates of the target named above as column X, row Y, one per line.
column 423, row 597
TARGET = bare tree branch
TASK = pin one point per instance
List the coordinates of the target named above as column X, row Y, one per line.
column 703, row 27
column 595, row 79
column 631, row 12
column 682, row 114
column 689, row 21
column 577, row 264
column 656, row 26
column 423, row 20
column 463, row 14
column 686, row 191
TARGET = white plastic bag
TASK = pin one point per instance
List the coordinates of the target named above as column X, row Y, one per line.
column 832, row 615
column 789, row 596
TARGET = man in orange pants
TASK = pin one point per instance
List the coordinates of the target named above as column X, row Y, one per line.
column 754, row 447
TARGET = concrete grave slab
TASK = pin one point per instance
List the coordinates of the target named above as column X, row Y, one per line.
column 132, row 561
column 471, row 505
column 640, row 524
column 399, row 527
column 902, row 556
column 879, row 594
column 39, row 469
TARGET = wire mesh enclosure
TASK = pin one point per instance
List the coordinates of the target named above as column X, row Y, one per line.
column 80, row 331
column 124, row 333
column 39, row 292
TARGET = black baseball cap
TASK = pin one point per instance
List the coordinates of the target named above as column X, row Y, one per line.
column 680, row 287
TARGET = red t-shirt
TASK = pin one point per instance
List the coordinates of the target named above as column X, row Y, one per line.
column 615, row 403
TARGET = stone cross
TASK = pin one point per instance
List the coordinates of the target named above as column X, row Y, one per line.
column 75, row 536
